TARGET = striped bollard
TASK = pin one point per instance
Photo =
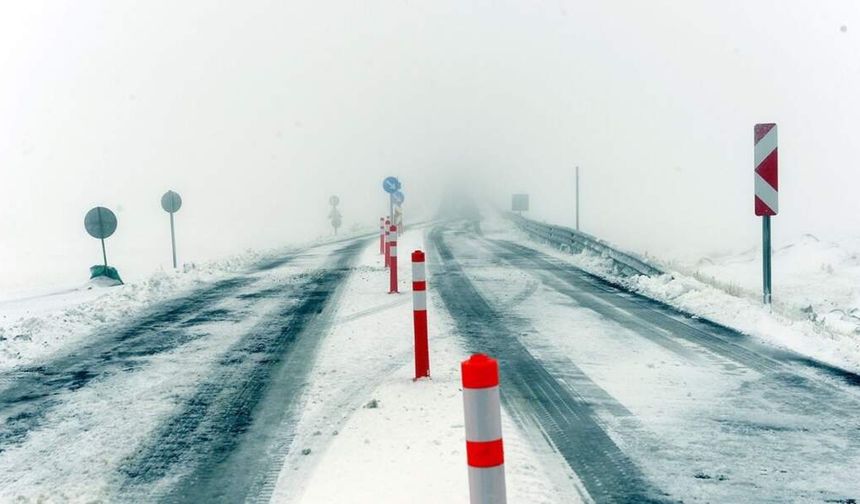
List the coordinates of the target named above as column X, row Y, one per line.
column 387, row 244
column 483, row 413
column 392, row 259
column 419, row 310
column 381, row 235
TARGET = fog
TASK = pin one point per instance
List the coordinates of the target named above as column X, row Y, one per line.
column 257, row 111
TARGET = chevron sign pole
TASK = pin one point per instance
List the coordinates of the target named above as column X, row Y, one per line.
column 766, row 192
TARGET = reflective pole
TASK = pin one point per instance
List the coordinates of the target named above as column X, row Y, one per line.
column 392, row 259
column 419, row 315
column 485, row 455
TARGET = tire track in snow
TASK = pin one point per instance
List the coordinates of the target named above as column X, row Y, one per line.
column 665, row 325
column 222, row 445
column 786, row 413
column 34, row 390
column 568, row 422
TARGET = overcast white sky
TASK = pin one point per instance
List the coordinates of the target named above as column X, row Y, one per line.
column 256, row 111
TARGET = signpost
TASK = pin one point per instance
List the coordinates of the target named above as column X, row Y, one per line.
column 334, row 215
column 520, row 203
column 766, row 192
column 100, row 223
column 391, row 185
column 171, row 202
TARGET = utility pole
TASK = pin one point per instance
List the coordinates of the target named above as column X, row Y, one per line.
column 577, row 198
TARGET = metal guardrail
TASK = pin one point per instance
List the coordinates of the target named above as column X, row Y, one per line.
column 624, row 263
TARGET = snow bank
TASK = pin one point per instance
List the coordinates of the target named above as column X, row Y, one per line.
column 32, row 327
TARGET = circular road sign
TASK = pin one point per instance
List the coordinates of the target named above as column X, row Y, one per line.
column 333, row 201
column 391, row 184
column 100, row 222
column 398, row 197
column 171, row 202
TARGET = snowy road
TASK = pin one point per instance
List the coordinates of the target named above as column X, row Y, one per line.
column 644, row 402
column 173, row 402
column 255, row 388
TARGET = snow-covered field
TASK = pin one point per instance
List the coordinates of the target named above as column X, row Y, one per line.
column 816, row 310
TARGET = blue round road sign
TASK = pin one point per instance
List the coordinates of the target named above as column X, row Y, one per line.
column 391, row 184
column 398, row 197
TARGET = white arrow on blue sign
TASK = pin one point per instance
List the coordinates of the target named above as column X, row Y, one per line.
column 391, row 185
column 398, row 197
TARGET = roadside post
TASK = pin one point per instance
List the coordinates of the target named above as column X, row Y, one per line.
column 171, row 202
column 392, row 259
column 484, row 449
column 419, row 311
column 766, row 193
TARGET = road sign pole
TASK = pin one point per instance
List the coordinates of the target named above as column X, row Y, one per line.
column 104, row 252
column 766, row 183
column 387, row 243
column 577, row 198
column 173, row 240
column 391, row 207
column 766, row 256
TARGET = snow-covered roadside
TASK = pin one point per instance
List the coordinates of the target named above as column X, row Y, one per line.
column 370, row 434
column 35, row 324
column 821, row 338
column 813, row 279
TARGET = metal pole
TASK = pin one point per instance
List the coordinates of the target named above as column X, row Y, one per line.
column 173, row 239
column 104, row 252
column 391, row 207
column 577, row 198
column 766, row 256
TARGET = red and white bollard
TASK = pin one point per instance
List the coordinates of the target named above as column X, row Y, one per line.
column 483, row 413
column 381, row 235
column 392, row 259
column 387, row 227
column 419, row 310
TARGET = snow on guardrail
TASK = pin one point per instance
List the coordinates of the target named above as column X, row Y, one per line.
column 624, row 263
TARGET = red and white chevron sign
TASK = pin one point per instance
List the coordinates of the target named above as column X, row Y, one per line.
column 766, row 185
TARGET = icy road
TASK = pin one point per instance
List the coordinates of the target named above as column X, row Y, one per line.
column 291, row 383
